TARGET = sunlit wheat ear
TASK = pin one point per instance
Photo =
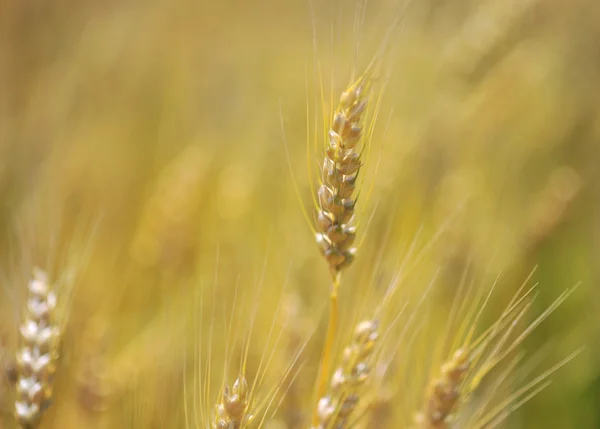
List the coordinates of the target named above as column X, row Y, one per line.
column 335, row 408
column 341, row 165
column 474, row 386
column 232, row 410
column 336, row 198
column 38, row 352
column 443, row 393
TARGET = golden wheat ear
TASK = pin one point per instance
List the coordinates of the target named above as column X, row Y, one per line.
column 341, row 165
column 443, row 393
column 38, row 353
column 335, row 409
column 232, row 409
column 336, row 196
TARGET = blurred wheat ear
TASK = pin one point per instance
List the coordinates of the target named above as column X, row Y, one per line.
column 232, row 409
column 443, row 393
column 336, row 407
column 38, row 353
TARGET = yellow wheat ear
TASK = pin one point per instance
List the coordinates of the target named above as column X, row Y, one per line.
column 444, row 393
column 341, row 165
column 335, row 409
column 347, row 136
column 232, row 409
column 336, row 201
column 460, row 377
column 38, row 353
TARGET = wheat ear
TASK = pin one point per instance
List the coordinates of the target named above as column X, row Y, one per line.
column 37, row 356
column 336, row 199
column 443, row 393
column 335, row 408
column 338, row 179
column 232, row 409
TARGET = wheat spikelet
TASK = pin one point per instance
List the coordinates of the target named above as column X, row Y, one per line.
column 443, row 393
column 339, row 173
column 336, row 407
column 232, row 409
column 38, row 354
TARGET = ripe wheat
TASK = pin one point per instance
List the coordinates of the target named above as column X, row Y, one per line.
column 38, row 354
column 338, row 176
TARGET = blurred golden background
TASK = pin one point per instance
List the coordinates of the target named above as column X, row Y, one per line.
column 155, row 137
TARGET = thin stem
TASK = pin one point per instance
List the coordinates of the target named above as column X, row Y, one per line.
column 329, row 342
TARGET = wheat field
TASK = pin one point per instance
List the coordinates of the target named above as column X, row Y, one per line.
column 299, row 214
